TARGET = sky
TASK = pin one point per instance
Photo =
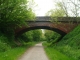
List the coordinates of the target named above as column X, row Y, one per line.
column 43, row 6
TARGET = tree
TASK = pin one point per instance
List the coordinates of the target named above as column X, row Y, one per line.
column 30, row 36
column 14, row 13
column 71, row 7
column 76, row 5
column 59, row 11
column 51, row 36
column 67, row 8
column 37, row 34
column 56, row 13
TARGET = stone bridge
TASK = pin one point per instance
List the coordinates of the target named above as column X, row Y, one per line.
column 61, row 25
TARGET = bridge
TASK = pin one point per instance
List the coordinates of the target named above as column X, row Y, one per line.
column 61, row 25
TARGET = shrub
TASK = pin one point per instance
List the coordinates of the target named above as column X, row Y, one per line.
column 3, row 44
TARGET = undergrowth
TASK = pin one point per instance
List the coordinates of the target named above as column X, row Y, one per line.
column 15, row 53
column 54, row 54
column 70, row 44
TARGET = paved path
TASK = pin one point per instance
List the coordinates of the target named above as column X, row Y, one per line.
column 35, row 53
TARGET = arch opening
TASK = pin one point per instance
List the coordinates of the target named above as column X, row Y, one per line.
column 40, row 27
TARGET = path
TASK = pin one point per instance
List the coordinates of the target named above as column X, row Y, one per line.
column 35, row 53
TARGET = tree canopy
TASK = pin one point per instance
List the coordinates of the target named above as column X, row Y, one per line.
column 13, row 13
column 66, row 8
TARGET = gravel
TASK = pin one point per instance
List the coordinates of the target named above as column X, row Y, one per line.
column 35, row 53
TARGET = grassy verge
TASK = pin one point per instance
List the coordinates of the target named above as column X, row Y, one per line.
column 13, row 54
column 70, row 44
column 53, row 54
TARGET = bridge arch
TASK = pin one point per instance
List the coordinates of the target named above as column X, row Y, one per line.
column 25, row 29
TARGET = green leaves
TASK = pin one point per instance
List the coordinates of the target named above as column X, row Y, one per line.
column 70, row 44
column 29, row 36
column 13, row 13
column 51, row 36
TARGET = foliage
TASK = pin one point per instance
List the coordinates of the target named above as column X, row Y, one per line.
column 70, row 44
column 30, row 36
column 14, row 54
column 65, row 8
column 4, row 46
column 57, row 12
column 13, row 14
column 26, row 37
column 72, row 7
column 54, row 54
column 51, row 36
column 37, row 34
column 4, row 43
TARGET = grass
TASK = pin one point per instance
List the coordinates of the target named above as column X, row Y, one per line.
column 14, row 54
column 70, row 44
column 53, row 54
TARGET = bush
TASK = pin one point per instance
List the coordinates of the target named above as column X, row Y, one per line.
column 70, row 44
column 3, row 44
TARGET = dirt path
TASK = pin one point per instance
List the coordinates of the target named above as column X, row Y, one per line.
column 35, row 53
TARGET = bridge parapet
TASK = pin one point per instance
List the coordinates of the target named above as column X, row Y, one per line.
column 56, row 19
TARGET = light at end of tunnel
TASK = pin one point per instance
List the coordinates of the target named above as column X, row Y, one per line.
column 43, row 31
